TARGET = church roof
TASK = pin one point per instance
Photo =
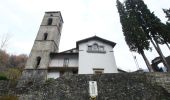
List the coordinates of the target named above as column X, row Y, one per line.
column 96, row 38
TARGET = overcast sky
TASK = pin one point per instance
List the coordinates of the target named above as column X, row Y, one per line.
column 82, row 19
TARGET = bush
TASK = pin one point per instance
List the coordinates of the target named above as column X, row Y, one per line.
column 49, row 80
column 13, row 74
column 3, row 76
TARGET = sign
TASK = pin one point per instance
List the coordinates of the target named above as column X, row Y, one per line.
column 93, row 88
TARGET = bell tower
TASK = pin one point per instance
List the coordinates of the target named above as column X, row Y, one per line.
column 46, row 42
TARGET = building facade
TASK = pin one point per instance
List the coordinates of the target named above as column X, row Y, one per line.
column 93, row 55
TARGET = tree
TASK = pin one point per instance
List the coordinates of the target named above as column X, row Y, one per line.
column 7, row 60
column 4, row 41
column 3, row 55
column 17, row 61
column 167, row 12
column 156, row 30
column 135, row 37
column 153, row 28
column 3, row 60
column 12, row 61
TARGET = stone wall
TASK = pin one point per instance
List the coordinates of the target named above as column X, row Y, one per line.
column 32, row 77
column 120, row 86
column 4, row 84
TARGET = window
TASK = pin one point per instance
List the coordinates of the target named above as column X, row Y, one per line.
column 66, row 62
column 89, row 48
column 50, row 20
column 101, row 48
column 95, row 48
column 98, row 71
column 38, row 60
column 45, row 36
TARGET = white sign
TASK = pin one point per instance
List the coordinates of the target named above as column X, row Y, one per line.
column 93, row 88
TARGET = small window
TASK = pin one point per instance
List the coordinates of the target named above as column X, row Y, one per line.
column 38, row 60
column 50, row 20
column 89, row 48
column 45, row 36
column 66, row 62
column 101, row 48
column 98, row 71
column 95, row 47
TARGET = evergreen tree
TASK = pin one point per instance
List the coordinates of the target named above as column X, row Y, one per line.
column 153, row 28
column 135, row 37
column 167, row 12
column 156, row 31
column 167, row 29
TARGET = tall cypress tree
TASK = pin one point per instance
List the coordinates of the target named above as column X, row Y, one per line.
column 150, row 24
column 167, row 29
column 134, row 35
column 167, row 12
column 154, row 28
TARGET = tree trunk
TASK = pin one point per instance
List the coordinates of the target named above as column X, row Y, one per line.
column 147, row 62
column 167, row 45
column 160, row 54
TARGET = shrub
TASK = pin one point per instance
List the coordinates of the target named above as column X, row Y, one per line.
column 3, row 76
column 49, row 80
column 13, row 74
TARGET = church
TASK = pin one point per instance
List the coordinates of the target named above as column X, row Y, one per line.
column 92, row 55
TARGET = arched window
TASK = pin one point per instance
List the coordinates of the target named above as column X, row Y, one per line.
column 38, row 60
column 50, row 20
column 95, row 47
column 45, row 36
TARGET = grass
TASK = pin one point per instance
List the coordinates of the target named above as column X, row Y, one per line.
column 8, row 97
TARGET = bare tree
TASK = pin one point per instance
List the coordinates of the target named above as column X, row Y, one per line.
column 4, row 39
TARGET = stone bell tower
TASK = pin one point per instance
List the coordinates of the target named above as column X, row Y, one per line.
column 46, row 42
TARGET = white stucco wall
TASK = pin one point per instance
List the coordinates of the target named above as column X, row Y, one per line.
column 54, row 75
column 88, row 61
column 58, row 61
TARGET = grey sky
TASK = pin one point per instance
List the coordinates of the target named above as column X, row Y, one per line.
column 82, row 19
